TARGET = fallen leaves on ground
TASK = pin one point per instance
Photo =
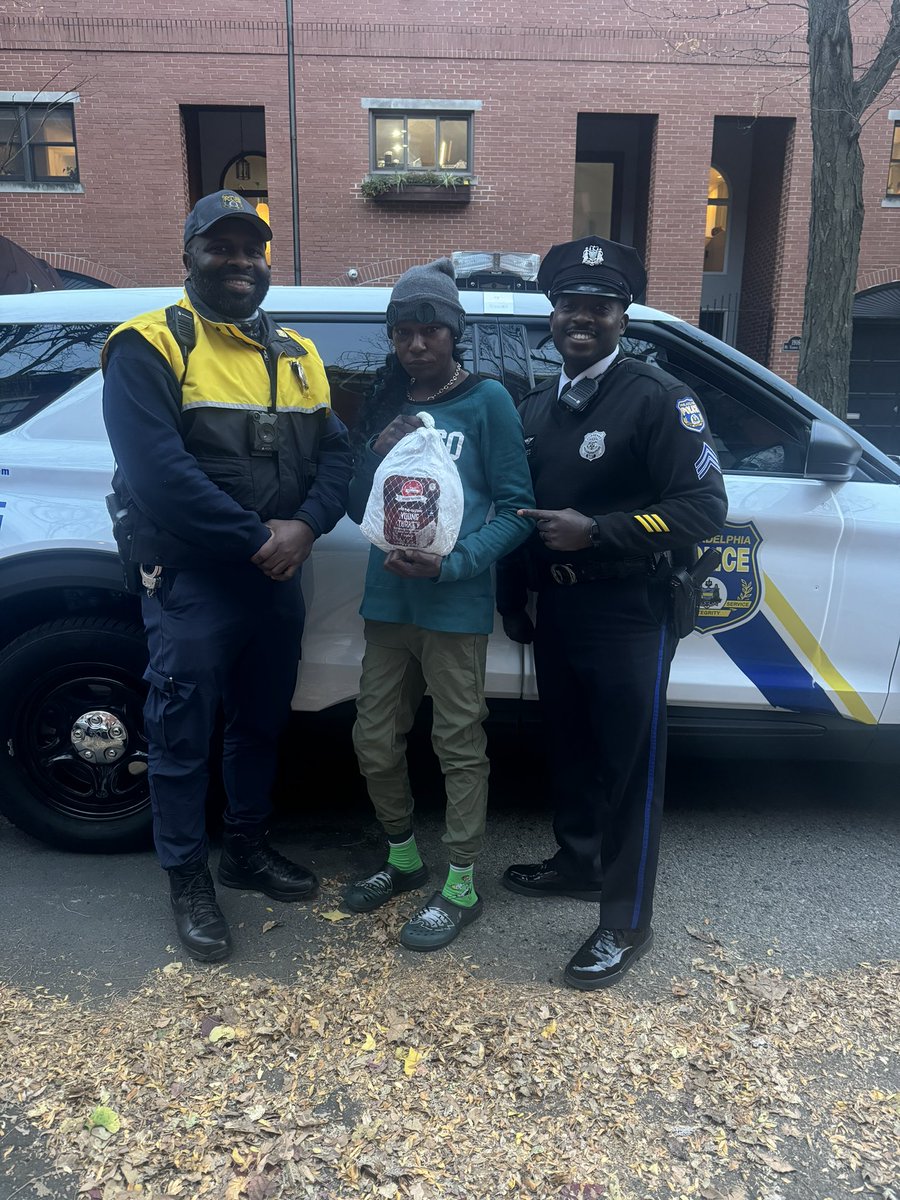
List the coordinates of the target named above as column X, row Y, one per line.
column 375, row 1076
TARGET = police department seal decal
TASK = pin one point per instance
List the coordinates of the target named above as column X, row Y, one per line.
column 593, row 446
column 592, row 257
column 732, row 594
column 229, row 200
column 690, row 414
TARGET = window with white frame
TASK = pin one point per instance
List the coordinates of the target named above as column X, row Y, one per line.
column 37, row 143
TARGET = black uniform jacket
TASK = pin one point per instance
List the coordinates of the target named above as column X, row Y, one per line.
column 639, row 459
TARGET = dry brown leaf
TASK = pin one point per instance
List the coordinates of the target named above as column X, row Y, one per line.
column 778, row 1165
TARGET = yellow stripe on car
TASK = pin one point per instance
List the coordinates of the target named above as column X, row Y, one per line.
column 818, row 659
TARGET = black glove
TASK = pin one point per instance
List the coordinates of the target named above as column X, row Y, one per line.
column 519, row 627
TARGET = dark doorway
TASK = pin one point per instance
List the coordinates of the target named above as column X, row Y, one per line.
column 225, row 148
column 612, row 177
column 771, row 139
column 743, row 230
column 874, row 401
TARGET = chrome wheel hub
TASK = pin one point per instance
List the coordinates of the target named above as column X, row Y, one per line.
column 99, row 737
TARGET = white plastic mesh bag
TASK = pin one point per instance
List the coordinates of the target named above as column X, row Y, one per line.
column 417, row 497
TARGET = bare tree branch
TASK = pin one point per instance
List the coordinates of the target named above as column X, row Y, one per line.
column 62, row 101
column 876, row 77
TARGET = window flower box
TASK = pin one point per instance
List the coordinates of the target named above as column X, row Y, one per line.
column 418, row 187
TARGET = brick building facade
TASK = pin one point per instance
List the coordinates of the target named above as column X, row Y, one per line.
column 627, row 115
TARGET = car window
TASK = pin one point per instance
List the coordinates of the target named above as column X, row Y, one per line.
column 354, row 351
column 38, row 363
column 748, row 435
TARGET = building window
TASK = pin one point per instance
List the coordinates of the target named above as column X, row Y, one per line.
column 421, row 141
column 37, row 143
column 717, row 204
column 893, row 183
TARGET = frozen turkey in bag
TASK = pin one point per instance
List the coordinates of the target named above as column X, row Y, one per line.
column 416, row 500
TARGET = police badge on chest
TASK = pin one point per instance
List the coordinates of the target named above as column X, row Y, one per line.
column 593, row 446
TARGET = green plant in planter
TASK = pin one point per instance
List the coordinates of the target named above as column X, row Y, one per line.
column 396, row 181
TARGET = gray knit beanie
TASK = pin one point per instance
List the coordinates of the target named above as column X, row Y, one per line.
column 428, row 295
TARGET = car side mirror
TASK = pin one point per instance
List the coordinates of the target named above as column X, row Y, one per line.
column 832, row 453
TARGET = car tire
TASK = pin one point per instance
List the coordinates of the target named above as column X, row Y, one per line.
column 73, row 756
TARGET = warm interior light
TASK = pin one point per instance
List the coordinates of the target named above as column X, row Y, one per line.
column 262, row 210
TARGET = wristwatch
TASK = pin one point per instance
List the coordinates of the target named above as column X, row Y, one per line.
column 594, row 534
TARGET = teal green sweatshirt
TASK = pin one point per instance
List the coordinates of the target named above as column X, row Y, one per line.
column 484, row 436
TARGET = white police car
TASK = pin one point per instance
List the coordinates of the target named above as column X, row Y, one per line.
column 797, row 640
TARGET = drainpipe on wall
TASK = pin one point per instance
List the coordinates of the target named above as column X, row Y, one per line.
column 292, row 127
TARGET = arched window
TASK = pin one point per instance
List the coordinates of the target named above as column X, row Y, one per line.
column 717, row 204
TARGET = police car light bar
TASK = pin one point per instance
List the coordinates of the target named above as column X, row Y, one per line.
column 473, row 262
column 495, row 272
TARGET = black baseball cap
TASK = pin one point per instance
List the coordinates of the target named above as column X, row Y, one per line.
column 595, row 266
column 218, row 206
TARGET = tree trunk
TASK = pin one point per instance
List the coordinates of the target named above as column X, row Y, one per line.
column 837, row 209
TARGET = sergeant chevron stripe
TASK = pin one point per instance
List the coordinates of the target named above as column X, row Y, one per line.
column 652, row 522
column 708, row 458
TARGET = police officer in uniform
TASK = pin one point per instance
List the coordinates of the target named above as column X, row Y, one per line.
column 230, row 463
column 625, row 478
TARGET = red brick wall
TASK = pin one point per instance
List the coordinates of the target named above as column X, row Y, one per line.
column 533, row 67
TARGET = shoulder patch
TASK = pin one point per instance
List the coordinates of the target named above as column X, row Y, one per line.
column 690, row 415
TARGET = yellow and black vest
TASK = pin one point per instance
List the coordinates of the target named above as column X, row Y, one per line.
column 252, row 412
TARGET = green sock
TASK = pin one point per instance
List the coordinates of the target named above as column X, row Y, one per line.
column 460, row 887
column 405, row 855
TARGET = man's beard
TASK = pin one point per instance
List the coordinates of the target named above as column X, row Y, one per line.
column 211, row 289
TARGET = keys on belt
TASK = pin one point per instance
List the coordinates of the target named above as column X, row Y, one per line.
column 564, row 574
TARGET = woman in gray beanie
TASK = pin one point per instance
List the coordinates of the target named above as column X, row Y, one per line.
column 427, row 618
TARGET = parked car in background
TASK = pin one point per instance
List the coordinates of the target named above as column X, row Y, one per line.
column 796, row 645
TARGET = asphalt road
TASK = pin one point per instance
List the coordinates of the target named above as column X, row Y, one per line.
column 790, row 864
column 795, row 859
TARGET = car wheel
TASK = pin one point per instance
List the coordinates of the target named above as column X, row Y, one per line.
column 73, row 756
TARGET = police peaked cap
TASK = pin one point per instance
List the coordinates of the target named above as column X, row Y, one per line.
column 595, row 266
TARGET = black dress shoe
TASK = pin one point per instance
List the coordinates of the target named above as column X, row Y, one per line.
column 606, row 956
column 251, row 863
column 202, row 929
column 365, row 895
column 543, row 879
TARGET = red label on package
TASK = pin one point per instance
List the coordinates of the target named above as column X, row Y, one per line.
column 410, row 510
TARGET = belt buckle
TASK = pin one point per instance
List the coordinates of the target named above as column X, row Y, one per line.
column 563, row 574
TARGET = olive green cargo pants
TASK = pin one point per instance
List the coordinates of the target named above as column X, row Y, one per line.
column 400, row 665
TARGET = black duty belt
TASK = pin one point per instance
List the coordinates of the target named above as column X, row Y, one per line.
column 569, row 573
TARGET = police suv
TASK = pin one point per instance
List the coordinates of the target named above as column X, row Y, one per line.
column 798, row 633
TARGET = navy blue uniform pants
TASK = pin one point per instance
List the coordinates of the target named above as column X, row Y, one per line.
column 602, row 657
column 224, row 640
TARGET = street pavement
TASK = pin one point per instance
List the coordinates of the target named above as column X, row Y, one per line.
column 788, row 864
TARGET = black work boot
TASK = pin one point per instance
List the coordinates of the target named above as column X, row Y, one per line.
column 201, row 926
column 249, row 862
